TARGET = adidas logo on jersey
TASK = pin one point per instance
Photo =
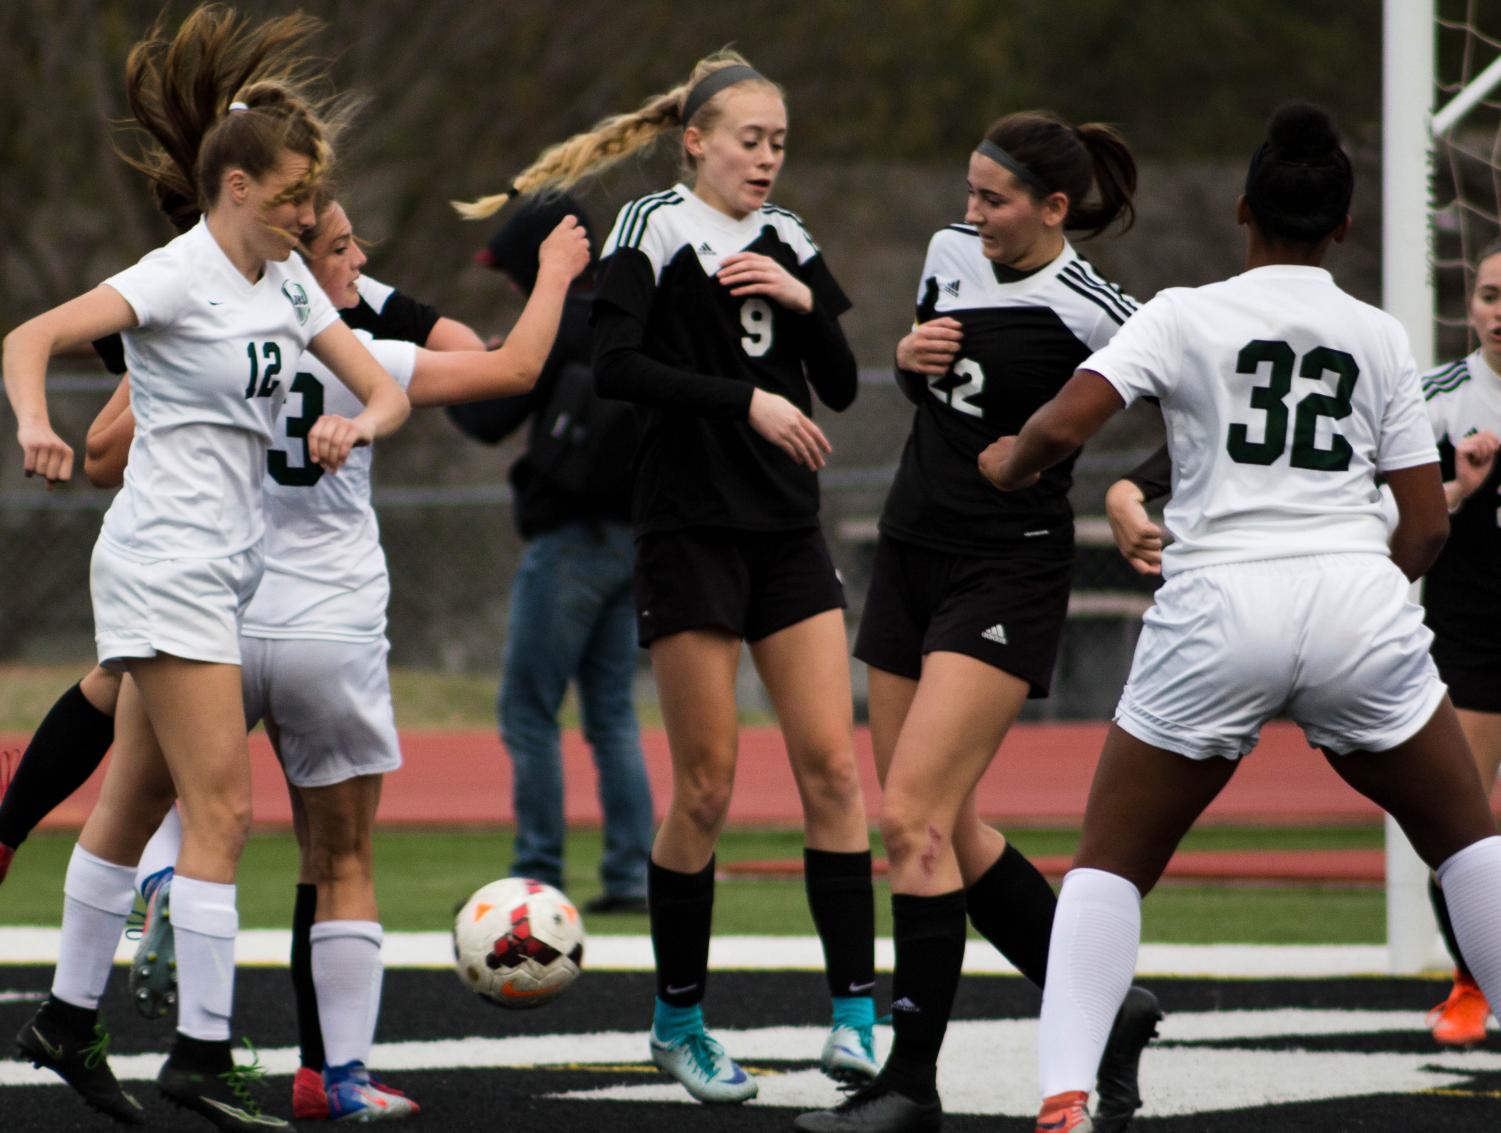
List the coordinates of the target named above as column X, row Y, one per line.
column 705, row 250
column 996, row 633
column 951, row 288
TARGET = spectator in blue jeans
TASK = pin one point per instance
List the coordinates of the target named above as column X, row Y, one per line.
column 571, row 613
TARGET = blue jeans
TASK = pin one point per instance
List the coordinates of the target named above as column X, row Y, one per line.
column 573, row 617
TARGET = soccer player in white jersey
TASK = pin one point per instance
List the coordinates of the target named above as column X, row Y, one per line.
column 209, row 321
column 1462, row 591
column 1284, row 399
column 970, row 587
column 718, row 317
column 314, row 646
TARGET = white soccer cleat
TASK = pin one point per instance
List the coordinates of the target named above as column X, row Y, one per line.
column 849, row 1055
column 704, row 1069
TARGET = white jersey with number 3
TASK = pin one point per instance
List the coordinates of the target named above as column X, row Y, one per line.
column 1283, row 397
column 209, row 360
column 325, row 571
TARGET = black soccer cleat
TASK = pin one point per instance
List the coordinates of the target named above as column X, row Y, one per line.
column 876, row 1108
column 80, row 1058
column 224, row 1098
column 1116, row 1090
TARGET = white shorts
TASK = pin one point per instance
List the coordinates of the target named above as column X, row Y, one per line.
column 1332, row 641
column 330, row 702
column 186, row 607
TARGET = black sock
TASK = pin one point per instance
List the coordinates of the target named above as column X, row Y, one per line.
column 68, row 744
column 69, row 1016
column 1446, row 926
column 309, row 1028
column 210, row 1056
column 681, row 906
column 1012, row 906
column 929, row 938
column 843, row 904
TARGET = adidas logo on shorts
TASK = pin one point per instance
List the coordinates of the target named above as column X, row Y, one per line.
column 996, row 633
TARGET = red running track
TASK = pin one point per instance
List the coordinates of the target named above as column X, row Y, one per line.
column 1040, row 777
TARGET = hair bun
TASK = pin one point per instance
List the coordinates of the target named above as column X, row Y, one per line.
column 1300, row 131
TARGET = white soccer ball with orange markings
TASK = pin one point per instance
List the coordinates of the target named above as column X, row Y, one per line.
column 518, row 943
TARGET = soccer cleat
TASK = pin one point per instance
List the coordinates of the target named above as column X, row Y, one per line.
column 876, row 1108
column 849, row 1055
column 224, row 1098
column 704, row 1069
column 7, row 855
column 1460, row 1019
column 309, row 1098
column 153, row 971
column 1065, row 1113
column 1118, row 1096
column 80, row 1058
column 353, row 1096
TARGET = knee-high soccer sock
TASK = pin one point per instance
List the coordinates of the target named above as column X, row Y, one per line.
column 843, row 905
column 160, row 855
column 1472, row 885
column 682, row 911
column 347, row 973
column 929, row 937
column 1012, row 905
column 309, row 1029
column 1440, row 905
column 1096, row 933
column 204, row 922
column 68, row 744
column 97, row 896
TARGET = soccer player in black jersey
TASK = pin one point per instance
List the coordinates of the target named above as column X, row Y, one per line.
column 970, row 587
column 717, row 316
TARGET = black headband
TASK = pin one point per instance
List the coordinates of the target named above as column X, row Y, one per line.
column 714, row 82
column 1023, row 171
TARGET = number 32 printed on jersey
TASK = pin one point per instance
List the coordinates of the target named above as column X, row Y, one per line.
column 1269, row 398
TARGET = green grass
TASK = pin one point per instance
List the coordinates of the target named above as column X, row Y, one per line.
column 421, row 875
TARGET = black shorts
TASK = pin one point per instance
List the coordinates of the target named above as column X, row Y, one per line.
column 1007, row 612
column 749, row 583
column 1474, row 683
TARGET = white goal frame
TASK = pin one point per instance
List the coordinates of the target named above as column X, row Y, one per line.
column 1409, row 127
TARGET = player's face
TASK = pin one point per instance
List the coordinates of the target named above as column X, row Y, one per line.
column 336, row 259
column 739, row 158
column 1485, row 309
column 1016, row 229
column 282, row 203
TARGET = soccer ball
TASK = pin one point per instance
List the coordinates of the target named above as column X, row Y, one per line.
column 518, row 943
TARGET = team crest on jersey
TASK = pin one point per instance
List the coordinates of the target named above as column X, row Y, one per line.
column 298, row 298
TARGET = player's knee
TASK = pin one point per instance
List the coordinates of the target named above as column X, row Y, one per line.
column 704, row 801
column 830, row 780
column 910, row 835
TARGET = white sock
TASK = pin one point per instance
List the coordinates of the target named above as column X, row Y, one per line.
column 347, row 978
column 1096, row 932
column 161, row 852
column 204, row 923
column 1471, row 880
column 97, row 897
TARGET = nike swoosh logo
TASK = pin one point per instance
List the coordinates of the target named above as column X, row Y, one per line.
column 684, row 990
column 512, row 992
column 216, row 302
column 54, row 1051
column 857, row 989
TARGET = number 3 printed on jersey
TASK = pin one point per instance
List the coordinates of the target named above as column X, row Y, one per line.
column 1269, row 399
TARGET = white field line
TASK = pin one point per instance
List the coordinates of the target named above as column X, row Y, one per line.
column 271, row 947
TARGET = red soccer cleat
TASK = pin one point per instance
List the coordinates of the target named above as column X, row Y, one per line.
column 1460, row 1019
column 1065, row 1113
column 309, row 1099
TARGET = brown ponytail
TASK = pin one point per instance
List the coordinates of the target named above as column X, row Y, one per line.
column 592, row 152
column 1072, row 161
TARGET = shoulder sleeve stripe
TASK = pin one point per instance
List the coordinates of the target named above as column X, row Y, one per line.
column 1090, row 275
column 636, row 229
column 1447, row 382
column 1114, row 304
column 1446, row 371
column 967, row 229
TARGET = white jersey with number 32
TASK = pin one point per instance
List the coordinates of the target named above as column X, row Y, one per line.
column 1283, row 398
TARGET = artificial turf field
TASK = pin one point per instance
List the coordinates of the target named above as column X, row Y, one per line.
column 1234, row 1056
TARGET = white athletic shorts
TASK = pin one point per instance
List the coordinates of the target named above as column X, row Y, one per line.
column 186, row 607
column 1331, row 641
column 331, row 704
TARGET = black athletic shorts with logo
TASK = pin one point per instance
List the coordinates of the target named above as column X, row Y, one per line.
column 1006, row 611
column 750, row 583
column 1474, row 679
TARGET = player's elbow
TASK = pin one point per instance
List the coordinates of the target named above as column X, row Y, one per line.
column 102, row 469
